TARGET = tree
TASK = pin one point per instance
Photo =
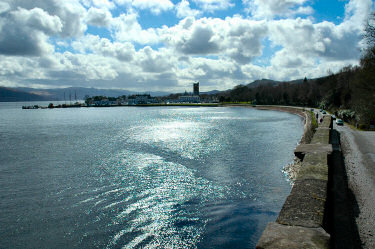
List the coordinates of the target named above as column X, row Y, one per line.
column 87, row 99
column 364, row 90
column 369, row 34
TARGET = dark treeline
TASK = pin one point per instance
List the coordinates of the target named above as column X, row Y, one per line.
column 350, row 93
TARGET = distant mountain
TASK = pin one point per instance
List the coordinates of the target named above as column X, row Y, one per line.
column 211, row 92
column 79, row 93
column 13, row 95
column 267, row 82
column 257, row 83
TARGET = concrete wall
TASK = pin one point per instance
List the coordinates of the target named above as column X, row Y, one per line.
column 301, row 222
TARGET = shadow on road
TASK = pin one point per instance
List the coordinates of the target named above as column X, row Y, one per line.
column 342, row 205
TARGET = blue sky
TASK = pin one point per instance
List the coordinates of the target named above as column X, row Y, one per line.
column 165, row 45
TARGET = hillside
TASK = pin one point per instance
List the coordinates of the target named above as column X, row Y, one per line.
column 74, row 92
column 263, row 82
column 268, row 82
column 12, row 95
column 59, row 94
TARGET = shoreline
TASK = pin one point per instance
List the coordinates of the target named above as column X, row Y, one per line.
column 303, row 113
column 291, row 170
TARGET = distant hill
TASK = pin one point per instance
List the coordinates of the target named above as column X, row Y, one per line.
column 268, row 82
column 74, row 93
column 211, row 92
column 13, row 95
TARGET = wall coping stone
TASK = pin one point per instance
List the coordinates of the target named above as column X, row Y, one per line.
column 313, row 171
column 304, row 149
column 316, row 158
column 277, row 236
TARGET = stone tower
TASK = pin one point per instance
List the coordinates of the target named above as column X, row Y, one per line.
column 196, row 89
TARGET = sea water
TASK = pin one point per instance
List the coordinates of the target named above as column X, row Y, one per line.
column 142, row 177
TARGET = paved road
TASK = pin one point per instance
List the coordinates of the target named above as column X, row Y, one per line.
column 359, row 152
column 365, row 141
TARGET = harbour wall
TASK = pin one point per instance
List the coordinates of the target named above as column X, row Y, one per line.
column 302, row 221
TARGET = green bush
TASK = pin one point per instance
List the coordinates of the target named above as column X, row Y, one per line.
column 346, row 114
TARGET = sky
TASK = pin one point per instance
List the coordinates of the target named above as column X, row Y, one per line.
column 166, row 45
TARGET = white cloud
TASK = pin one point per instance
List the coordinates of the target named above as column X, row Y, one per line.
column 268, row 9
column 100, row 4
column 4, row 7
column 244, row 39
column 183, row 10
column 152, row 61
column 221, row 73
column 356, row 13
column 155, row 6
column 37, row 19
column 199, row 41
column 33, row 26
column 310, row 49
column 104, row 47
column 14, row 69
column 98, row 17
column 214, row 5
column 70, row 13
column 123, row 2
column 237, row 38
column 323, row 40
column 126, row 28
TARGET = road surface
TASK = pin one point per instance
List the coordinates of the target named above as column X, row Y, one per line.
column 359, row 151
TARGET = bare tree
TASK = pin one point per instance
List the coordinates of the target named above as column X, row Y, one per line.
column 370, row 31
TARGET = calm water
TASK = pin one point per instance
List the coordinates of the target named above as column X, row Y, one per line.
column 142, row 177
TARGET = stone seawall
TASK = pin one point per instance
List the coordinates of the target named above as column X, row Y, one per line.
column 302, row 219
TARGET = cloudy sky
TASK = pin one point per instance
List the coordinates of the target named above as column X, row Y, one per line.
column 166, row 45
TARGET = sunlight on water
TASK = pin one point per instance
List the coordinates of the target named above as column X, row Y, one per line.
column 165, row 187
column 186, row 138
